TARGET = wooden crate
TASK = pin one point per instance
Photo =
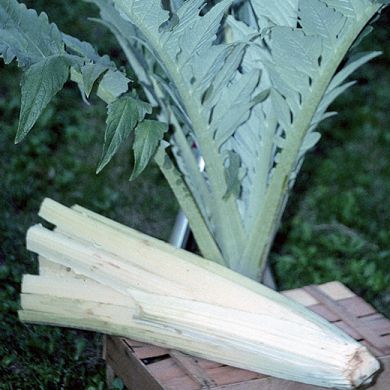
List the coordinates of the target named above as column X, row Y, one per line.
column 146, row 367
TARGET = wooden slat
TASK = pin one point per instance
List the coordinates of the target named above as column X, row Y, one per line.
column 323, row 311
column 135, row 344
column 378, row 323
column 168, row 371
column 130, row 369
column 386, row 339
column 227, row 375
column 300, row 296
column 183, row 382
column 197, row 373
column 377, row 344
column 349, row 330
column 336, row 290
column 208, row 364
column 149, row 351
column 357, row 306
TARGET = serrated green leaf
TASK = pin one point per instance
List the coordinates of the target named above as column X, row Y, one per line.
column 90, row 73
column 40, row 84
column 27, row 36
column 114, row 83
column 86, row 50
column 123, row 116
column 148, row 136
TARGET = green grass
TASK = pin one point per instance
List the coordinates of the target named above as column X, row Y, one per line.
column 336, row 225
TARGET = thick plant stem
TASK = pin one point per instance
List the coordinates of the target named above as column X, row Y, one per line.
column 203, row 237
column 229, row 232
column 188, row 155
column 192, row 167
column 260, row 239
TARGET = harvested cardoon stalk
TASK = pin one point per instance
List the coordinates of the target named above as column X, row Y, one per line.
column 99, row 275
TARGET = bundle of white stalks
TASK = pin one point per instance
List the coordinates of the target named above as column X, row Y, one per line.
column 99, row 275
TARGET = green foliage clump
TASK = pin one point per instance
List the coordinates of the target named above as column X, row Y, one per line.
column 338, row 221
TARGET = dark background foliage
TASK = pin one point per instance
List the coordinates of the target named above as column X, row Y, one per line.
column 336, row 225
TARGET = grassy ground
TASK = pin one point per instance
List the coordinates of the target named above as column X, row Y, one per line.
column 336, row 225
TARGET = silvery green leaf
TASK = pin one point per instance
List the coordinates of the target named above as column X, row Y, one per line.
column 39, row 85
column 332, row 94
column 232, row 175
column 169, row 24
column 233, row 107
column 310, row 141
column 207, row 66
column 354, row 63
column 176, row 4
column 350, row 8
column 148, row 135
column 221, row 77
column 192, row 34
column 281, row 109
column 203, row 30
column 122, row 117
column 121, row 28
column 276, row 12
column 147, row 15
column 241, row 31
column 365, row 32
column 321, row 116
column 261, row 96
column 318, row 19
column 27, row 36
column 113, row 84
column 295, row 51
column 246, row 13
column 131, row 42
